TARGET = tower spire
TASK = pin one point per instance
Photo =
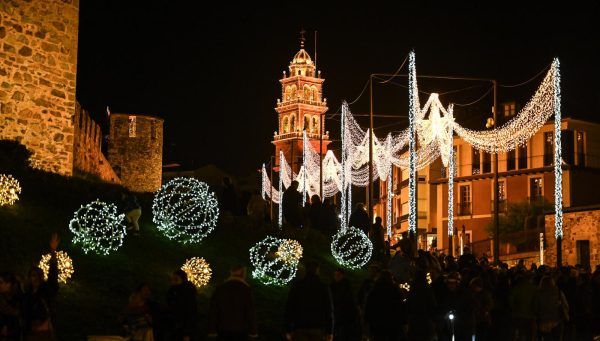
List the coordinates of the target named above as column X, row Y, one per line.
column 302, row 39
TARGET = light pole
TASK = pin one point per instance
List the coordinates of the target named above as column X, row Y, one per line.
column 488, row 125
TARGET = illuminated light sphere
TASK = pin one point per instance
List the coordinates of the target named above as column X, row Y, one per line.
column 198, row 271
column 185, row 209
column 98, row 227
column 65, row 266
column 9, row 190
column 275, row 260
column 351, row 248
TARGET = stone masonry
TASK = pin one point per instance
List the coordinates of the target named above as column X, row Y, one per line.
column 135, row 151
column 38, row 66
column 577, row 226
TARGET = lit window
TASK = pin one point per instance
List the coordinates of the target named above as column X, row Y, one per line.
column 132, row 126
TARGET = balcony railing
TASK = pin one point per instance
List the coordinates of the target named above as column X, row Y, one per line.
column 502, row 206
column 302, row 101
column 298, row 134
column 464, row 208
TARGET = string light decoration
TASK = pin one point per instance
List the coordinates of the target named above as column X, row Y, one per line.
column 412, row 112
column 65, row 266
column 98, row 227
column 198, row 271
column 351, row 247
column 185, row 210
column 9, row 190
column 275, row 260
column 389, row 205
column 280, row 208
column 558, row 215
column 451, row 194
column 404, row 286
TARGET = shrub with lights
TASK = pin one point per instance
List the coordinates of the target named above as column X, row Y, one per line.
column 351, row 248
column 98, row 228
column 65, row 266
column 185, row 210
column 9, row 190
column 275, row 260
column 198, row 271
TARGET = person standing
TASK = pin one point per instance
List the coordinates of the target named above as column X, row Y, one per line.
column 292, row 205
column 360, row 218
column 181, row 301
column 308, row 310
column 256, row 208
column 376, row 235
column 232, row 316
column 10, row 307
column 133, row 212
column 345, row 310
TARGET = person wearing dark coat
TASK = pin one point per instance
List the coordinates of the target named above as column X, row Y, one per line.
column 182, row 306
column 39, row 298
column 385, row 312
column 292, row 205
column 10, row 307
column 328, row 219
column 376, row 235
column 315, row 212
column 360, row 218
column 232, row 316
column 308, row 311
column 422, row 306
column 345, row 310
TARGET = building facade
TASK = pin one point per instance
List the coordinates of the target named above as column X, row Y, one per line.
column 300, row 108
column 525, row 174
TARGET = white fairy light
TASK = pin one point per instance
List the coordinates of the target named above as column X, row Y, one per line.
column 351, row 247
column 344, row 206
column 280, row 208
column 389, row 204
column 64, row 262
column 558, row 219
column 275, row 260
column 185, row 209
column 451, row 194
column 412, row 214
column 304, row 183
column 9, row 190
column 98, row 227
column 198, row 271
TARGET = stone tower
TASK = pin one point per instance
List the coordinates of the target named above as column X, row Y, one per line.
column 38, row 67
column 300, row 108
column 135, row 151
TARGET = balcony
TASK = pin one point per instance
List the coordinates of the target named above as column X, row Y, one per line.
column 298, row 134
column 502, row 206
column 302, row 101
column 464, row 208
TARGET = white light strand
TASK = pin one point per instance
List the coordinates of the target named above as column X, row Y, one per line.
column 280, row 206
column 558, row 216
column 344, row 206
column 275, row 260
column 9, row 190
column 412, row 216
column 65, row 266
column 389, row 204
column 304, row 168
column 98, row 227
column 185, row 210
column 198, row 271
column 450, row 171
column 351, row 248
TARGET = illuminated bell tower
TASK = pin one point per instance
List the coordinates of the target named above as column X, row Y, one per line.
column 301, row 107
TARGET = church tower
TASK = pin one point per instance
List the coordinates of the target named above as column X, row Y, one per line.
column 301, row 107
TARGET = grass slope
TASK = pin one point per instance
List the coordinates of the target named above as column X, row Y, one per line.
column 92, row 300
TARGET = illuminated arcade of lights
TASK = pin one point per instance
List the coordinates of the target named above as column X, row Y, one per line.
column 98, row 227
column 185, row 209
column 65, row 266
column 434, row 126
column 275, row 260
column 198, row 271
column 9, row 190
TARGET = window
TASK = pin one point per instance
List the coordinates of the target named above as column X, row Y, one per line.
column 464, row 205
column 314, row 94
column 487, row 163
column 535, row 189
column 306, row 123
column 522, row 154
column 307, row 93
column 286, row 125
column 293, row 93
column 293, row 122
column 510, row 109
column 288, row 93
column 315, row 125
column 548, row 148
column 132, row 126
column 568, row 146
column 475, row 161
column 501, row 196
column 510, row 160
column 580, row 149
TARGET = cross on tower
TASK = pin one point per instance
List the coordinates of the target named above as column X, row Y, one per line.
column 302, row 39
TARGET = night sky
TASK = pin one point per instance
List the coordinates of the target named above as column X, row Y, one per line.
column 212, row 74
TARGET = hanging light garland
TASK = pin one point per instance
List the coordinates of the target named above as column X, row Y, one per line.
column 280, row 206
column 185, row 209
column 275, row 260
column 65, row 266
column 558, row 204
column 198, row 271
column 412, row 113
column 98, row 227
column 351, row 248
column 9, row 190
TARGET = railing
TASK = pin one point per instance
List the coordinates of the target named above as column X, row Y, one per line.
column 298, row 134
column 302, row 101
column 502, row 206
column 464, row 208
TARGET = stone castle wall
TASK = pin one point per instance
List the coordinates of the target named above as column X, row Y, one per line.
column 88, row 158
column 38, row 66
column 135, row 151
column 583, row 225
